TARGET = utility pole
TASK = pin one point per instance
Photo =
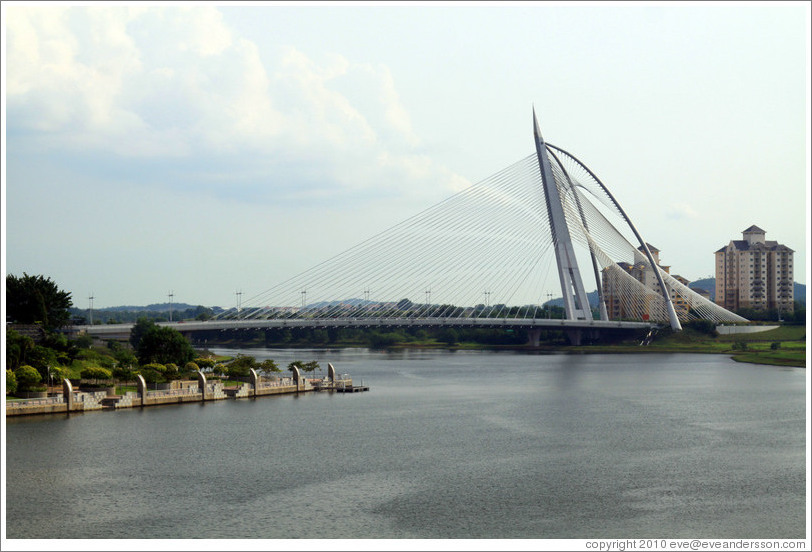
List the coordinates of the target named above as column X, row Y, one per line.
column 549, row 298
column 170, row 295
column 239, row 300
column 304, row 297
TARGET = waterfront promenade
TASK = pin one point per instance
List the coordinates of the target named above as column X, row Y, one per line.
column 177, row 392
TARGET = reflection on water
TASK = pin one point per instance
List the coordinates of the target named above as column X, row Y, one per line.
column 445, row 445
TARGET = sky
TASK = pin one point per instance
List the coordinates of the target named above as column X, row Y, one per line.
column 199, row 150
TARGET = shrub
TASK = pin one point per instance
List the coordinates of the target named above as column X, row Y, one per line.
column 703, row 326
column 123, row 373
column 172, row 371
column 155, row 367
column 204, row 362
column 383, row 340
column 775, row 345
column 740, row 346
column 11, row 383
column 27, row 377
column 96, row 373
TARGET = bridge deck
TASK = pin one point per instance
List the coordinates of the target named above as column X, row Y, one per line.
column 103, row 330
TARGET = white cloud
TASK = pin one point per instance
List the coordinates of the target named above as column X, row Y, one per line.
column 681, row 210
column 170, row 82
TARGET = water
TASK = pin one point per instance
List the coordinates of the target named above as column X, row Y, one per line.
column 444, row 445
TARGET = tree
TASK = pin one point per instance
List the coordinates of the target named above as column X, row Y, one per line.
column 36, row 299
column 164, row 345
column 11, row 382
column 449, row 336
column 311, row 366
column 241, row 366
column 153, row 372
column 268, row 365
column 18, row 347
column 141, row 327
column 27, row 377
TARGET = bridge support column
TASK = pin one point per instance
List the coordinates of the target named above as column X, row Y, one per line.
column 575, row 335
column 534, row 337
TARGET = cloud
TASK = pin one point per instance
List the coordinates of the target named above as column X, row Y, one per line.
column 156, row 84
column 681, row 211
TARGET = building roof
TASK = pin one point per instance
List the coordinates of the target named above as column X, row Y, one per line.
column 754, row 228
column 744, row 245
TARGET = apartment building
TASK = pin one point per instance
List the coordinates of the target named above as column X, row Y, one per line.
column 755, row 273
column 620, row 304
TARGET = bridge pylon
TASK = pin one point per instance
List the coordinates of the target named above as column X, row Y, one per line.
column 576, row 304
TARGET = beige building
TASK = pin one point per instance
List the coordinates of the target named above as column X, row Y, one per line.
column 621, row 306
column 755, row 273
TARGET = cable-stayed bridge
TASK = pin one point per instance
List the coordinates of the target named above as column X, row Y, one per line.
column 485, row 257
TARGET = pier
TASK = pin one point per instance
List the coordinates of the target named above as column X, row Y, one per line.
column 178, row 392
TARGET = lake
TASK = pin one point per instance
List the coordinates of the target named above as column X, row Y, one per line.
column 455, row 445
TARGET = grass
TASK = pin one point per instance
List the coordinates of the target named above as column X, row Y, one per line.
column 754, row 347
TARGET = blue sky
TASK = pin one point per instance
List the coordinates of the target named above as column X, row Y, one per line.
column 205, row 149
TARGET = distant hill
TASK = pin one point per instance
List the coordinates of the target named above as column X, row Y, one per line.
column 156, row 307
column 708, row 284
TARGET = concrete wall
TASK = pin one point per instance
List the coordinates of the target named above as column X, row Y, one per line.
column 77, row 401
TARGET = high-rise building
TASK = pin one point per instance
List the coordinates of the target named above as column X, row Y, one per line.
column 754, row 273
column 621, row 304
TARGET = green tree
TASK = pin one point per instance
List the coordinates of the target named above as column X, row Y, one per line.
column 18, row 347
column 203, row 313
column 141, row 327
column 449, row 336
column 153, row 372
column 125, row 357
column 241, row 366
column 268, row 366
column 36, row 299
column 123, row 372
column 164, row 345
column 311, row 366
column 11, row 382
column 41, row 357
column 27, row 377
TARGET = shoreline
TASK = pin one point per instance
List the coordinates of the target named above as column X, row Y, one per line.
column 766, row 358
